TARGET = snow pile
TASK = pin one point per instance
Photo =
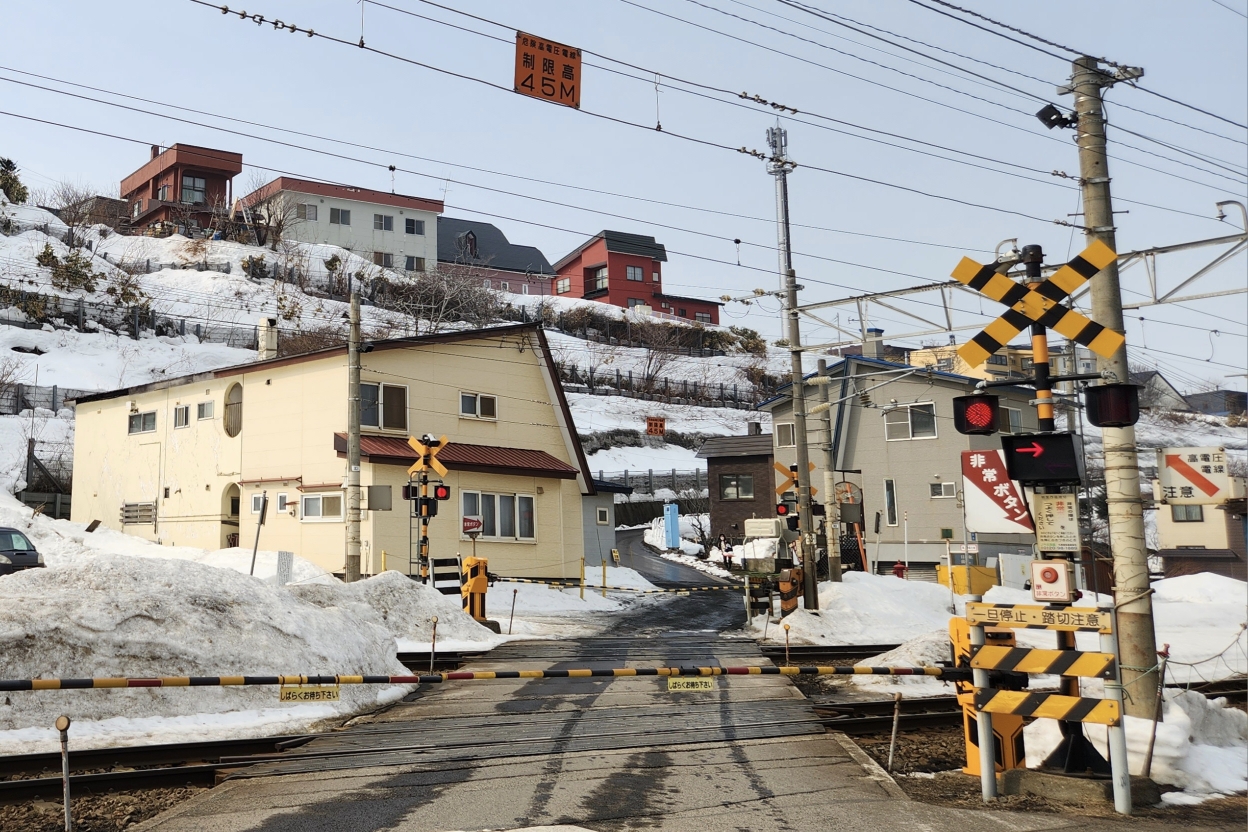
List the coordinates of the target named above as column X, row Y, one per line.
column 1202, row 746
column 617, row 576
column 867, row 609
column 404, row 607
column 1198, row 616
column 600, row 413
column 111, row 615
column 656, row 534
column 697, row 563
column 927, row 650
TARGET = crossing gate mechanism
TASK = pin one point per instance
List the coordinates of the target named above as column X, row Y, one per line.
column 1008, row 749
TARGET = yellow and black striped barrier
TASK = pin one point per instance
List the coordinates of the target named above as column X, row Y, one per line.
column 1047, row 705
column 1056, row 662
column 106, row 683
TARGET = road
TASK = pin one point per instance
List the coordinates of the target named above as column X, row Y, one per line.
column 603, row 754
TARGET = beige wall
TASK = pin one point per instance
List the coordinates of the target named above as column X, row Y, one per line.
column 286, row 446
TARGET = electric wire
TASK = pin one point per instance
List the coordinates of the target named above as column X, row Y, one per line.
column 1231, row 9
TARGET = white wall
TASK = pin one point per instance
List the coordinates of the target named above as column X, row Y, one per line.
column 360, row 236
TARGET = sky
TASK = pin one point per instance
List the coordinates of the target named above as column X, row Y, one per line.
column 905, row 164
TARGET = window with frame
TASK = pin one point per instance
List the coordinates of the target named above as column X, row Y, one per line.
column 634, row 273
column 943, row 490
column 414, row 226
column 563, row 285
column 478, row 406
column 736, row 486
column 324, row 508
column 383, row 406
column 257, row 503
column 785, row 437
column 204, row 410
column 486, row 284
column 635, row 302
column 383, row 222
column 414, row 264
column 600, row 278
column 504, row 286
column 604, row 517
column 1187, row 514
column 890, row 502
column 503, row 516
column 384, row 259
column 305, row 211
column 182, row 416
column 998, row 359
column 910, row 421
column 142, row 422
column 524, row 288
column 283, row 502
column 702, row 317
column 655, row 277
column 163, row 193
column 339, row 216
column 138, row 208
column 1011, row 420
column 194, row 189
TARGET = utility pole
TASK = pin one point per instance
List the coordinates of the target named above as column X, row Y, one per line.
column 1136, row 636
column 778, row 165
column 353, row 438
column 831, row 519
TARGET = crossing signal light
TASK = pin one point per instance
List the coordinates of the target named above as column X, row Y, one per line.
column 441, row 492
column 1112, row 405
column 976, row 415
column 428, row 506
column 785, row 509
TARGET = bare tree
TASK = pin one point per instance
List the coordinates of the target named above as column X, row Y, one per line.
column 662, row 341
column 71, row 200
column 274, row 214
column 453, row 293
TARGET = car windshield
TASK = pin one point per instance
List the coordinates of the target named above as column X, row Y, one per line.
column 15, row 542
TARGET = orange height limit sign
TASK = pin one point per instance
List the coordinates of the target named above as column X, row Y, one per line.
column 548, row 70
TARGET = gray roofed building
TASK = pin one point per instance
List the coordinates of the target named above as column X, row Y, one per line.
column 618, row 241
column 725, row 446
column 477, row 243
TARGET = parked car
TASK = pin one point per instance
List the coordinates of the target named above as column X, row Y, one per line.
column 17, row 552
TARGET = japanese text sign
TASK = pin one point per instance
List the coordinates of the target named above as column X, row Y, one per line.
column 994, row 503
column 1192, row 476
column 1057, row 522
column 1069, row 619
column 656, row 426
column 548, row 70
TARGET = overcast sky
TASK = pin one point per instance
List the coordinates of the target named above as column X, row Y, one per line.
column 177, row 52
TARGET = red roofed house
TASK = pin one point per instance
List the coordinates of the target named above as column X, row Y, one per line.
column 181, row 188
column 625, row 270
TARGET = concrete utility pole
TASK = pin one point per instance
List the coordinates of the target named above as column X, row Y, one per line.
column 779, row 166
column 831, row 518
column 1136, row 636
column 353, row 439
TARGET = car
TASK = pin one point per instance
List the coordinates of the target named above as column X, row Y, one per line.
column 17, row 552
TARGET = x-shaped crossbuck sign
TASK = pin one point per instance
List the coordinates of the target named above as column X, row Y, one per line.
column 790, row 478
column 422, row 451
column 1038, row 304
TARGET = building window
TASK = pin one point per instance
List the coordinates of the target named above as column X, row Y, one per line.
column 914, row 421
column 194, row 190
column 142, row 422
column 138, row 208
column 563, row 285
column 413, row 226
column 1011, row 420
column 203, row 410
column 182, row 416
column 524, row 288
column 600, row 278
column 257, row 503
column 414, row 264
column 998, row 359
column 234, row 410
column 324, row 508
column 655, row 277
column 504, row 286
column 604, row 517
column 383, row 222
column 785, row 436
column 635, row 302
column 702, row 317
column 485, row 284
column 478, row 406
column 634, row 273
column 1187, row 514
column 682, row 312
column 890, row 502
column 339, row 216
column 283, row 503
column 163, row 193
column 503, row 516
column 736, row 487
column 383, row 406
column 305, row 211
column 941, row 490
column 384, row 259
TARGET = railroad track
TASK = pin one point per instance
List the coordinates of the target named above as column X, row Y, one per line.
column 815, row 654
column 877, row 716
column 442, row 660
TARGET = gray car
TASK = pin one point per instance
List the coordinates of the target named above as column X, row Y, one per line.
column 17, row 552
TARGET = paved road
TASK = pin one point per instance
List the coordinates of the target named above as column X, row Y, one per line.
column 602, row 754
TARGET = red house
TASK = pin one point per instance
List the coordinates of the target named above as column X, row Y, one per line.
column 181, row 187
column 624, row 270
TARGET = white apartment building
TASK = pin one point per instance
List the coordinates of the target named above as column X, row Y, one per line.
column 392, row 230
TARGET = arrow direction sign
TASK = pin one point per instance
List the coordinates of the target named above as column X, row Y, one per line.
column 1035, row 450
column 1193, row 476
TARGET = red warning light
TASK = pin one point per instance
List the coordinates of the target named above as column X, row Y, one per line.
column 976, row 415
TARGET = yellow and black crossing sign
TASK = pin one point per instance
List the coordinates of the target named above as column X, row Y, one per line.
column 1047, row 706
column 1038, row 304
column 1056, row 662
column 426, row 456
column 790, row 478
column 1037, row 617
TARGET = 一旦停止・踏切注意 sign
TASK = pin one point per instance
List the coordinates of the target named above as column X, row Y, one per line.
column 1036, row 617
column 548, row 70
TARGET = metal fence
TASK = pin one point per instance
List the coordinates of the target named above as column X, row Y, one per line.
column 666, row 390
column 646, row 482
column 14, row 398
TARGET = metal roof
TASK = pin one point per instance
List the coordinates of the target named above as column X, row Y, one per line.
column 463, row 457
column 493, row 251
column 722, row 446
column 621, row 243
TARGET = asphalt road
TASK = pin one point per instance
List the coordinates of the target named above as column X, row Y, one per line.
column 718, row 612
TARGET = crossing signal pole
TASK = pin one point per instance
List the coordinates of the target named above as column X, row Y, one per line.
column 1136, row 634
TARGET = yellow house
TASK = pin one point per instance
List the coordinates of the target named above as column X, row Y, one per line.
column 1011, row 361
column 184, row 461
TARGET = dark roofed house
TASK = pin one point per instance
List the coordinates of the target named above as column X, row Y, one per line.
column 501, row 264
column 1157, row 393
column 739, row 480
column 1219, row 402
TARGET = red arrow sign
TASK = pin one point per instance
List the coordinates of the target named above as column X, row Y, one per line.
column 1035, row 450
column 1175, row 463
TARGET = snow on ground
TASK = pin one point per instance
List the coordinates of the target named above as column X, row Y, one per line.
column 599, row 413
column 660, row 459
column 41, row 425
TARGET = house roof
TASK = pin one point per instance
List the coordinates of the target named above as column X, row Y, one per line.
column 621, row 243
column 367, row 195
column 603, row 486
column 223, row 162
column 493, row 249
column 730, row 446
column 459, row 456
column 664, row 296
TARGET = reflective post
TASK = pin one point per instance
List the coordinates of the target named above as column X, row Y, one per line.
column 1119, row 769
column 62, row 725
column 983, row 722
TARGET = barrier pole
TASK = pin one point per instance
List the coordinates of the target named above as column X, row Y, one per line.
column 582, row 577
column 786, row 646
column 892, row 743
column 749, row 619
column 433, row 643
column 1119, row 770
column 604, row 577
column 62, row 725
column 983, row 721
column 514, row 593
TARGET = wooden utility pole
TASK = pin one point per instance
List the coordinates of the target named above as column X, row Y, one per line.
column 1136, row 635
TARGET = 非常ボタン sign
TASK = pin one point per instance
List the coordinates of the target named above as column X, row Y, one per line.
column 473, row 524
column 994, row 504
column 675, row 683
column 548, row 70
column 656, row 426
column 1057, row 522
column 1026, row 616
column 1193, row 476
column 308, row 693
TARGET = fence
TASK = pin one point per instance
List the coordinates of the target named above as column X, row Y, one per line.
column 14, row 398
column 646, row 482
column 624, row 383
column 641, row 513
column 49, row 476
